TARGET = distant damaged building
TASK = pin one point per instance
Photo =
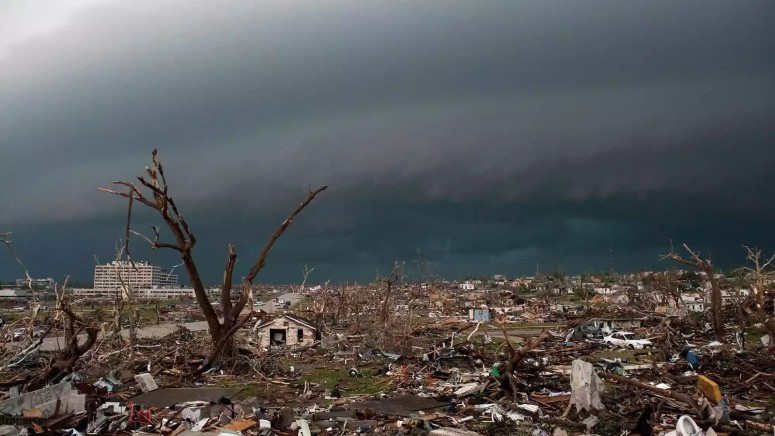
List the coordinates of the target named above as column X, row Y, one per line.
column 288, row 330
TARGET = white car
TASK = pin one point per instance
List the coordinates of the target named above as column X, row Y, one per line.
column 626, row 340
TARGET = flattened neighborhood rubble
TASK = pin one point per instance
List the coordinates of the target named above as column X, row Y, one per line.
column 459, row 378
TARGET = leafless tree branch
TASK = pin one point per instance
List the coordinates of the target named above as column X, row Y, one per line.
column 155, row 182
column 261, row 260
column 704, row 265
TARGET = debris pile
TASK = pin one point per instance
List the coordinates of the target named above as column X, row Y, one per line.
column 458, row 378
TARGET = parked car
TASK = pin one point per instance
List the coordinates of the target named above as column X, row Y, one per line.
column 626, row 340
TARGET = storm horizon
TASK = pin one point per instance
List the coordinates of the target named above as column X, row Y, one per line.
column 484, row 138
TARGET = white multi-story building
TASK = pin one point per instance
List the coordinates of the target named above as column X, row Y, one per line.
column 140, row 274
column 139, row 278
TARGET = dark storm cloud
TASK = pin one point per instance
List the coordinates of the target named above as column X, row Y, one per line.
column 491, row 136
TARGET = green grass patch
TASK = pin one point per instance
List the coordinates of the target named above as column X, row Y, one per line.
column 349, row 386
column 753, row 336
column 13, row 317
column 497, row 344
column 248, row 391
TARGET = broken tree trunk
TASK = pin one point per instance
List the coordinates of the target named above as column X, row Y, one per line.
column 154, row 195
column 64, row 361
column 506, row 378
column 705, row 266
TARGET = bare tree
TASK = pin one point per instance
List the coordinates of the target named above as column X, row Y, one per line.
column 305, row 275
column 396, row 276
column 760, row 274
column 414, row 294
column 334, row 303
column 122, row 299
column 507, row 380
column 661, row 289
column 5, row 238
column 324, row 307
column 153, row 193
column 705, row 266
column 63, row 361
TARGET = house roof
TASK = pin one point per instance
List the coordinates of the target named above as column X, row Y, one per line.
column 295, row 318
column 302, row 320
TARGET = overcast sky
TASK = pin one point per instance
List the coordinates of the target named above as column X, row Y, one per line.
column 487, row 136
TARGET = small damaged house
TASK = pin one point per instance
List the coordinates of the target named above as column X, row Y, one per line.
column 619, row 322
column 288, row 330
